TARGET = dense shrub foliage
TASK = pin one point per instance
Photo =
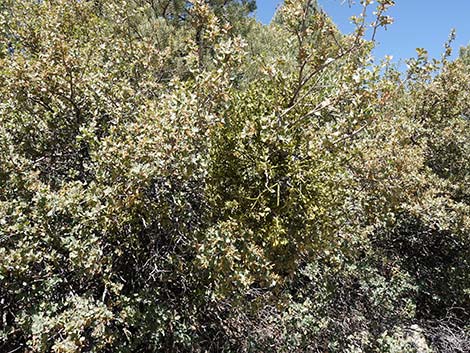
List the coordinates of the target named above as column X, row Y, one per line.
column 177, row 177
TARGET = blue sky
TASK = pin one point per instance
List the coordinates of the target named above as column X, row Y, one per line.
column 418, row 23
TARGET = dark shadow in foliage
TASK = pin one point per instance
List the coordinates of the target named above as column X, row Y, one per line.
column 437, row 259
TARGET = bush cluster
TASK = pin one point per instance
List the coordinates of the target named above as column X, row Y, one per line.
column 177, row 177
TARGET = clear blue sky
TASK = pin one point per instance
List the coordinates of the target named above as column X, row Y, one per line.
column 418, row 23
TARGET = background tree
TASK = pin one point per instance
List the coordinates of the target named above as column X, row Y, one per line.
column 464, row 54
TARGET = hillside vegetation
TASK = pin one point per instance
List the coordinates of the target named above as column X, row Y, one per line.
column 177, row 177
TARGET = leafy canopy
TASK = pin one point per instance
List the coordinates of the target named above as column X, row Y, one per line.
column 175, row 177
